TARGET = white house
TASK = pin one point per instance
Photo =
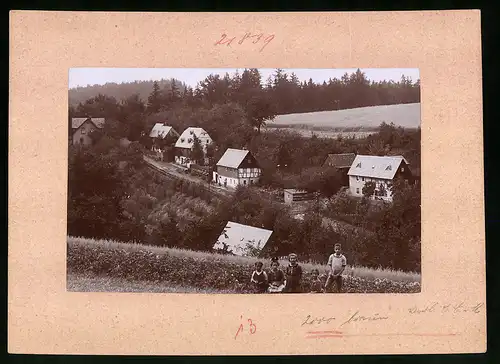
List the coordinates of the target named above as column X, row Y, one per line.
column 381, row 170
column 82, row 128
column 237, row 167
column 185, row 143
column 159, row 132
column 239, row 239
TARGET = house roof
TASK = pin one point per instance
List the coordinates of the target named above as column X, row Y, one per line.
column 237, row 236
column 183, row 140
column 160, row 131
column 376, row 166
column 77, row 122
column 343, row 160
column 232, row 158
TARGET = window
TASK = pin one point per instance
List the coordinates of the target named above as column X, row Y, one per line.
column 358, row 165
column 244, row 182
column 357, row 178
column 363, row 179
column 402, row 169
column 357, row 191
column 84, row 131
column 81, row 140
column 190, row 140
column 191, row 132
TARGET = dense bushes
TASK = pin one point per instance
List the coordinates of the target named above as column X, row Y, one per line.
column 215, row 272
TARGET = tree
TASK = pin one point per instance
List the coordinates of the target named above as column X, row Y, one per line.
column 368, row 189
column 197, row 154
column 154, row 99
column 259, row 111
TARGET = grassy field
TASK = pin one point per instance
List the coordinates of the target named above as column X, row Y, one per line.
column 351, row 271
column 89, row 283
column 357, row 122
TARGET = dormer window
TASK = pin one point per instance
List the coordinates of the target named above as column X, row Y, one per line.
column 191, row 132
column 190, row 140
column 358, row 165
column 182, row 140
column 388, row 168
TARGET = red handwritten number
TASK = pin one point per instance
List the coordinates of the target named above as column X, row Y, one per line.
column 253, row 328
column 240, row 329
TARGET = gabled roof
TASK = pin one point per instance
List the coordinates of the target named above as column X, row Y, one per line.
column 160, row 131
column 77, row 122
column 232, row 158
column 184, row 139
column 343, row 160
column 375, row 166
column 237, row 236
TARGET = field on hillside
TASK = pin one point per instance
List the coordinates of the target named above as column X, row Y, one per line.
column 100, row 263
column 363, row 119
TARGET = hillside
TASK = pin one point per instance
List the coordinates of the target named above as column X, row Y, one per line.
column 405, row 115
column 119, row 90
column 125, row 267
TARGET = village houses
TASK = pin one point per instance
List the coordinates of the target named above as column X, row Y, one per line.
column 237, row 167
column 185, row 143
column 82, row 128
column 159, row 133
column 341, row 162
column 381, row 170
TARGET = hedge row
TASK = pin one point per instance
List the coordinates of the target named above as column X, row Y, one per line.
column 217, row 273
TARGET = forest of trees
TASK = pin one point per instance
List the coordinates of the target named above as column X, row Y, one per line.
column 113, row 195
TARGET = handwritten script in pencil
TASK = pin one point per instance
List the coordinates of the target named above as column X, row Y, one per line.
column 358, row 316
column 259, row 39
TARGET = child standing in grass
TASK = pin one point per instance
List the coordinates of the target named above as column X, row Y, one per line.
column 316, row 285
column 259, row 278
column 276, row 277
column 336, row 265
column 293, row 275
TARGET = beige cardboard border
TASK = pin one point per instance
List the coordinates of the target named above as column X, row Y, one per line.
column 44, row 318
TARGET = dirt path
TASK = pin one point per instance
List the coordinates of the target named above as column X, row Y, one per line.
column 170, row 170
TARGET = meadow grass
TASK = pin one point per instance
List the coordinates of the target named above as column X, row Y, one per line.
column 405, row 115
column 354, row 271
column 89, row 283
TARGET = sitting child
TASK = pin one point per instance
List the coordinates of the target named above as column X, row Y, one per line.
column 276, row 277
column 316, row 285
column 259, row 278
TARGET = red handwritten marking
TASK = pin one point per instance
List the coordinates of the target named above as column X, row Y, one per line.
column 240, row 329
column 396, row 334
column 325, row 332
column 251, row 325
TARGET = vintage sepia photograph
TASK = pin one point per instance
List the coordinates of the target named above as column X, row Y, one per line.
column 248, row 181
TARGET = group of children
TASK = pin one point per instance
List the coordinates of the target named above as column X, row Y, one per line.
column 289, row 281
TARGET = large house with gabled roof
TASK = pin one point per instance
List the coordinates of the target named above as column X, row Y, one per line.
column 81, row 129
column 237, row 167
column 381, row 170
column 185, row 144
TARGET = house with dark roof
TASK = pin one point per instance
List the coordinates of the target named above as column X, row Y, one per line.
column 237, row 167
column 381, row 170
column 81, row 129
column 342, row 162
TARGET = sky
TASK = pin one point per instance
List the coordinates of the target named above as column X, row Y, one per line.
column 191, row 76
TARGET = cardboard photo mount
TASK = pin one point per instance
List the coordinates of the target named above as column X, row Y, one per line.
column 448, row 316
